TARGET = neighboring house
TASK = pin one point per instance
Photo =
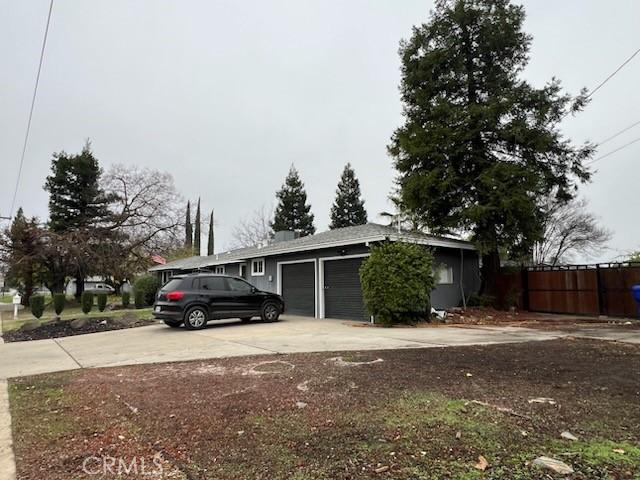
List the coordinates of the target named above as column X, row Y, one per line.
column 318, row 275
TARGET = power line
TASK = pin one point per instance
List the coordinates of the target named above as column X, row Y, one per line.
column 618, row 133
column 613, row 74
column 33, row 102
column 613, row 151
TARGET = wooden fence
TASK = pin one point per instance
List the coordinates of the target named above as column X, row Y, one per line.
column 603, row 289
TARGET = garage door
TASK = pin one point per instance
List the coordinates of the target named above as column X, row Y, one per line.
column 342, row 292
column 298, row 288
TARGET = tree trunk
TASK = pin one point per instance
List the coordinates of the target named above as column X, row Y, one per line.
column 28, row 287
column 79, row 286
column 489, row 272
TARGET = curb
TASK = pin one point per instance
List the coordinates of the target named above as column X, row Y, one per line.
column 7, row 459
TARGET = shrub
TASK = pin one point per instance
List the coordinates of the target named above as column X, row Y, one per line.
column 36, row 302
column 139, row 299
column 126, row 299
column 145, row 289
column 102, row 301
column 59, row 302
column 477, row 300
column 87, row 301
column 397, row 280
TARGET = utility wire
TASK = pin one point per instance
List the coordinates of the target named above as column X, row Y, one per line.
column 613, row 74
column 33, row 102
column 618, row 133
column 613, row 151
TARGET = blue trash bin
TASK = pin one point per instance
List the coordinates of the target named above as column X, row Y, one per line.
column 636, row 295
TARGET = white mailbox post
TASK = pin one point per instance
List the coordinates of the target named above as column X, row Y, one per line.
column 17, row 299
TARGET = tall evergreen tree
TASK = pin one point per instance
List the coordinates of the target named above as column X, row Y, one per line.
column 188, row 229
column 480, row 146
column 196, row 231
column 78, row 207
column 348, row 207
column 210, row 240
column 75, row 197
column 292, row 212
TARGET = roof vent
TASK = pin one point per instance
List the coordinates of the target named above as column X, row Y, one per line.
column 285, row 235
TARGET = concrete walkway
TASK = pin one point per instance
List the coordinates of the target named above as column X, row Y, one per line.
column 159, row 343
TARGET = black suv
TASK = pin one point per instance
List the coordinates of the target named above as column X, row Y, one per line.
column 197, row 298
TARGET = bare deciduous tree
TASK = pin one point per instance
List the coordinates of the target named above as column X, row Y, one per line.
column 569, row 228
column 147, row 213
column 254, row 229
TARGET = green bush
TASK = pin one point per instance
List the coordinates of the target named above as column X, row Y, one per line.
column 145, row 289
column 397, row 280
column 126, row 299
column 59, row 302
column 36, row 302
column 139, row 299
column 87, row 301
column 102, row 301
column 477, row 300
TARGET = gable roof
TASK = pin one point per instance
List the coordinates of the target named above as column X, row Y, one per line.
column 369, row 232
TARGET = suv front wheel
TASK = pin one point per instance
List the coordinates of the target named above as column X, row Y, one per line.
column 270, row 312
column 195, row 318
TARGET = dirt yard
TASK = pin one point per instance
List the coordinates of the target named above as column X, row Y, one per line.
column 405, row 414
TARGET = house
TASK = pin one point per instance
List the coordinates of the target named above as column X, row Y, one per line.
column 318, row 275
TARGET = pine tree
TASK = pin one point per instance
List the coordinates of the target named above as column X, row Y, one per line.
column 75, row 197
column 480, row 147
column 188, row 229
column 211, row 234
column 348, row 208
column 292, row 212
column 196, row 231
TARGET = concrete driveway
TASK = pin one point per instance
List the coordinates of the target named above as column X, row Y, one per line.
column 159, row 343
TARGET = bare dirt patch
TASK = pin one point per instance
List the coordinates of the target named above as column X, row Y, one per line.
column 418, row 414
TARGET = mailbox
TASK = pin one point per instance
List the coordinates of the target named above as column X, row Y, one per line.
column 17, row 299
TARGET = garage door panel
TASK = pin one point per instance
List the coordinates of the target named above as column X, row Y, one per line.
column 298, row 288
column 342, row 290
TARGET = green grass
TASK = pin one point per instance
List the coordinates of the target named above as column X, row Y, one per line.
column 70, row 313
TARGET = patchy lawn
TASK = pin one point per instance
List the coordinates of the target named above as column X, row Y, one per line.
column 404, row 414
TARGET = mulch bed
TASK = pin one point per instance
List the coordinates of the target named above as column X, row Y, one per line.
column 401, row 414
column 63, row 328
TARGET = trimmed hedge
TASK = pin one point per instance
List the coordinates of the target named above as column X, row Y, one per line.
column 87, row 301
column 59, row 302
column 145, row 289
column 397, row 280
column 139, row 299
column 102, row 301
column 126, row 299
column 36, row 302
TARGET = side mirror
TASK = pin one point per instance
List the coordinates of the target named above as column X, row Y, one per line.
column 254, row 289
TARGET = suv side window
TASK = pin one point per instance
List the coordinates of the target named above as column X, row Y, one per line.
column 211, row 283
column 236, row 285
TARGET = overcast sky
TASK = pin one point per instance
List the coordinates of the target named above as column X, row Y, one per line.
column 226, row 95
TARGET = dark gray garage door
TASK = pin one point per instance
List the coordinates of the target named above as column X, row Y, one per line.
column 298, row 288
column 342, row 292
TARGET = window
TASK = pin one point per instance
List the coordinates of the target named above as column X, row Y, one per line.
column 219, row 270
column 257, row 267
column 236, row 285
column 444, row 275
column 211, row 283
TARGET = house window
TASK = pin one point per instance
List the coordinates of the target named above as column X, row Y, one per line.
column 444, row 275
column 219, row 270
column 257, row 267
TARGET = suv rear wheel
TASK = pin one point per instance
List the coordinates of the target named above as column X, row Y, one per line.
column 195, row 318
column 270, row 312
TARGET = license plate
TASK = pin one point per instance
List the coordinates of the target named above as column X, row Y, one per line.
column 158, row 309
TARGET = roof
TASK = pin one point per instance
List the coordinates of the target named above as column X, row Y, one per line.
column 370, row 232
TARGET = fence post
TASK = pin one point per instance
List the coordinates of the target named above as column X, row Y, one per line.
column 525, row 288
column 599, row 290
